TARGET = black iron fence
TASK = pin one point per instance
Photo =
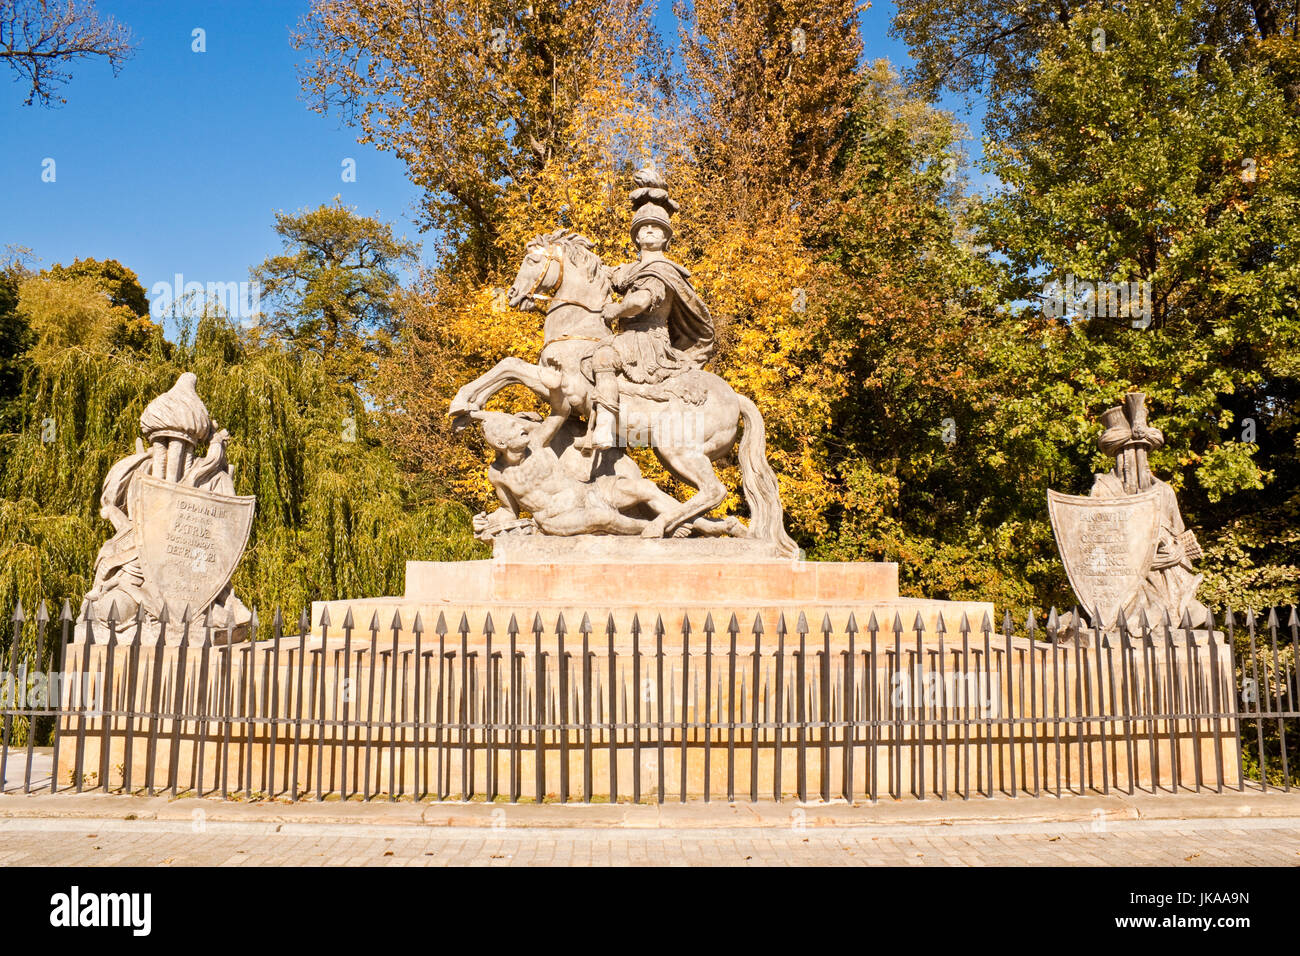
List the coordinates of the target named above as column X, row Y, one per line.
column 535, row 710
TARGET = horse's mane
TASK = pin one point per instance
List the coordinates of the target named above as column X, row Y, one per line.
column 577, row 249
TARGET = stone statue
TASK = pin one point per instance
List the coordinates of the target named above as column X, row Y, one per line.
column 180, row 529
column 1125, row 547
column 664, row 327
column 528, row 474
column 643, row 384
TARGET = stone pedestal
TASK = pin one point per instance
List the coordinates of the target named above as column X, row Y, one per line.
column 622, row 579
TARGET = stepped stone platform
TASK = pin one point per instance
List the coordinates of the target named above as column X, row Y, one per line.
column 606, row 577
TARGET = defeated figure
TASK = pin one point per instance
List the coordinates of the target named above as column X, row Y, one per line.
column 528, row 476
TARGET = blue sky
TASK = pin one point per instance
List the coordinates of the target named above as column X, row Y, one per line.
column 178, row 164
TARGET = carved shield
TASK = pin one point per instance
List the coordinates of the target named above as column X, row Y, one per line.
column 1106, row 545
column 190, row 541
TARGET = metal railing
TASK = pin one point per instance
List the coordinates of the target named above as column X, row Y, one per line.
column 540, row 712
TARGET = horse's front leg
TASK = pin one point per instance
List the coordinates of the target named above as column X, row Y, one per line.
column 544, row 382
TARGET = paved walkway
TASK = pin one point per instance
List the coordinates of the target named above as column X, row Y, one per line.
column 88, row 842
column 1251, row 829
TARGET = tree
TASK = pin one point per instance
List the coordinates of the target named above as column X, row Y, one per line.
column 334, row 286
column 1163, row 159
column 90, row 304
column 15, row 339
column 992, row 47
column 475, row 96
column 39, row 39
column 333, row 517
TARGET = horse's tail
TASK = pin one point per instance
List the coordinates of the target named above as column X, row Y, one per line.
column 762, row 494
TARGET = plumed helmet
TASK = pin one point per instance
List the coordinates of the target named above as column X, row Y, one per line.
column 652, row 213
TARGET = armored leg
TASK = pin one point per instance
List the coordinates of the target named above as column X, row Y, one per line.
column 601, row 428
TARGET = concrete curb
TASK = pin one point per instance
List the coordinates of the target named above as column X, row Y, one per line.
column 928, row 814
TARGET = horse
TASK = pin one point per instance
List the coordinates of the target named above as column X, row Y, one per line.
column 689, row 421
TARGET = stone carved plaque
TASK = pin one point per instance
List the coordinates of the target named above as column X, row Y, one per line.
column 190, row 540
column 1106, row 545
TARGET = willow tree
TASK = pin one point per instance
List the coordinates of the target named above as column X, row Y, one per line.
column 334, row 518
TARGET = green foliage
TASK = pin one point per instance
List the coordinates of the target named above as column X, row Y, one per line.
column 333, row 286
column 333, row 518
column 1154, row 143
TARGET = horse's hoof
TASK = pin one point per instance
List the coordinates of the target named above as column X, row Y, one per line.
column 655, row 529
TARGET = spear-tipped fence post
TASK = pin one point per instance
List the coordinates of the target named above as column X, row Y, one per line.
column 986, row 629
column 273, row 694
column 612, row 715
column 801, row 712
column 349, row 624
column 1274, row 700
column 941, row 710
column 58, row 660
column 13, row 689
column 1008, row 664
column 42, row 621
column 155, row 698
column 754, row 729
column 442, row 711
column 584, row 628
column 178, row 695
column 323, row 657
column 733, row 629
column 254, row 628
column 636, row 709
column 562, row 692
column 107, row 693
column 709, row 713
column 659, row 704
column 779, row 709
column 515, row 701
column 850, row 709
column 539, row 692
column 463, row 630
column 1216, row 701
column 871, row 703
column 1191, row 702
column 825, row 716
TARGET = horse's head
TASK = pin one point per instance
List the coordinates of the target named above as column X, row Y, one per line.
column 555, row 261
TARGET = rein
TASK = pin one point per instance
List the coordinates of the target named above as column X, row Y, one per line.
column 553, row 254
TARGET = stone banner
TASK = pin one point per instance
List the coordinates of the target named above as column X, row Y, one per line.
column 190, row 541
column 1106, row 545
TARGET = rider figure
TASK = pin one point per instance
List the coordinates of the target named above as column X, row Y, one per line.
column 665, row 329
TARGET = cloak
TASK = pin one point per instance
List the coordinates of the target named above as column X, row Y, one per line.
column 690, row 326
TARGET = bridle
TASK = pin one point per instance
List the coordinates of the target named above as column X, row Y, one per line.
column 554, row 254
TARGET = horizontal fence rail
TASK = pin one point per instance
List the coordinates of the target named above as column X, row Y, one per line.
column 754, row 711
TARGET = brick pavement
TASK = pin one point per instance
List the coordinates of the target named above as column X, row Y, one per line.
column 108, row 842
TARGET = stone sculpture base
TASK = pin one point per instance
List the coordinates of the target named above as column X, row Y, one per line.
column 621, row 578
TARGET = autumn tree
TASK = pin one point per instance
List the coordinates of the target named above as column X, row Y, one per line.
column 89, row 304
column 513, row 120
column 476, row 97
